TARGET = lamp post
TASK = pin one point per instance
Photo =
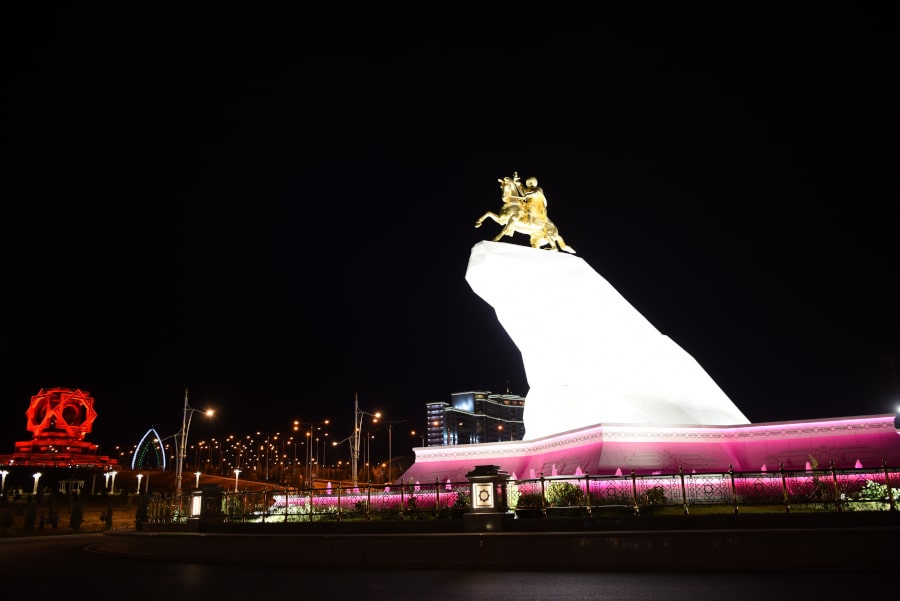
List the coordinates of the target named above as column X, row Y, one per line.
column 309, row 442
column 36, row 476
column 391, row 450
column 236, row 474
column 357, row 430
column 139, row 476
column 112, row 489
column 196, row 479
column 187, row 415
column 3, row 474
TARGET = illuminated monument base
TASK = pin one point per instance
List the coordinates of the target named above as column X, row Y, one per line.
column 608, row 393
column 590, row 357
column 611, row 449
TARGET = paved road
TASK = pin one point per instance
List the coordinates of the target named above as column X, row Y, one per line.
column 64, row 567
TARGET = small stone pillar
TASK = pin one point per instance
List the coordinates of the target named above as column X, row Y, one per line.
column 489, row 505
column 206, row 507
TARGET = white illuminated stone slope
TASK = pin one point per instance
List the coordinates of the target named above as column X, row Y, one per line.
column 589, row 356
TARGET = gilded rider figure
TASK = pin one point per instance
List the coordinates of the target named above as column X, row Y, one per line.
column 535, row 202
column 525, row 211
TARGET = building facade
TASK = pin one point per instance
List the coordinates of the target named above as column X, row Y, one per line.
column 475, row 417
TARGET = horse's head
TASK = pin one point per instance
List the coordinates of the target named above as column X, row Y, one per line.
column 510, row 186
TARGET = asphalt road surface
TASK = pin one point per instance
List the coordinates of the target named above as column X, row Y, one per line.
column 65, row 567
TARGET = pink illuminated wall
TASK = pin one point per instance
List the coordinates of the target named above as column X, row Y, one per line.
column 603, row 449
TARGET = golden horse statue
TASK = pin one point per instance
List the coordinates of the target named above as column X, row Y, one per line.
column 524, row 210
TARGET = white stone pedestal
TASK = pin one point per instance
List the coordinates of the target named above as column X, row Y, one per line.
column 589, row 356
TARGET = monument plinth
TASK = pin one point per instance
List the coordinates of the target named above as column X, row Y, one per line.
column 590, row 357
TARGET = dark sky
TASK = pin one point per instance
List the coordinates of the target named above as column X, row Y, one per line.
column 274, row 207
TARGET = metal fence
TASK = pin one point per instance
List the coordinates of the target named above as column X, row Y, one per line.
column 808, row 490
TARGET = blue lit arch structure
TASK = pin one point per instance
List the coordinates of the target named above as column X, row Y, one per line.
column 149, row 447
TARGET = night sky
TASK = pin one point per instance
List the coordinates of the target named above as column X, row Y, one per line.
column 275, row 207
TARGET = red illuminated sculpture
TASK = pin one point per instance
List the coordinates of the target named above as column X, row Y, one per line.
column 61, row 412
column 59, row 420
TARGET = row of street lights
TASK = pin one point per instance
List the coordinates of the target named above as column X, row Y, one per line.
column 37, row 478
column 354, row 439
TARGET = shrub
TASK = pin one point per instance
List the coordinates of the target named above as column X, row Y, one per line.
column 107, row 516
column 6, row 519
column 77, row 515
column 655, row 496
column 30, row 515
column 564, row 494
column 874, row 497
column 529, row 500
column 462, row 500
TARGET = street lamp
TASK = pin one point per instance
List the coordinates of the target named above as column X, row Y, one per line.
column 196, row 479
column 390, row 449
column 139, row 476
column 357, row 430
column 185, row 428
column 3, row 475
column 236, row 473
column 310, row 440
column 112, row 489
column 37, row 476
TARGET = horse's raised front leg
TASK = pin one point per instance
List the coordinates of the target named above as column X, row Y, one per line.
column 481, row 219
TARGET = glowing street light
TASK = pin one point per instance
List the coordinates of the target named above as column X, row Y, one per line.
column 335, row 443
column 112, row 489
column 37, row 476
column 236, row 473
column 185, row 428
column 139, row 476
column 3, row 474
column 197, row 479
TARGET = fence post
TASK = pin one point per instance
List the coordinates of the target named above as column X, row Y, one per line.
column 402, row 496
column 887, row 483
column 784, row 491
column 733, row 489
column 587, row 492
column 837, row 491
column 684, row 502
column 437, row 495
column 543, row 499
column 340, row 505
column 368, row 501
column 634, row 495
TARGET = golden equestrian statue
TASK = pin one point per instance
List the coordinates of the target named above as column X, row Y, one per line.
column 524, row 211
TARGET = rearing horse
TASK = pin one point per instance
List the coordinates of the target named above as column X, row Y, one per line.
column 528, row 216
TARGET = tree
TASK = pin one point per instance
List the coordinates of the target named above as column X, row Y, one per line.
column 30, row 515
column 77, row 515
column 107, row 516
